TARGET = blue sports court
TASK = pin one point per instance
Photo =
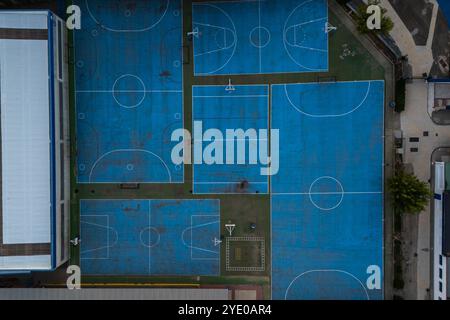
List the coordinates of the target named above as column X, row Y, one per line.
column 129, row 83
column 254, row 37
column 150, row 237
column 327, row 200
column 233, row 108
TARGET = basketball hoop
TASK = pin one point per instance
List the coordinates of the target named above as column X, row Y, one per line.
column 329, row 27
column 230, row 87
column 194, row 33
column 230, row 228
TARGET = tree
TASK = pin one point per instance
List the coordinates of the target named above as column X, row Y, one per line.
column 410, row 194
column 386, row 23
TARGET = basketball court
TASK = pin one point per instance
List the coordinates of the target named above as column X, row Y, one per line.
column 253, row 37
column 150, row 237
column 129, row 80
column 327, row 200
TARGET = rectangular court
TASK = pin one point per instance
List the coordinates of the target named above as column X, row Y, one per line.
column 255, row 37
column 150, row 237
column 129, row 81
column 327, row 199
column 219, row 108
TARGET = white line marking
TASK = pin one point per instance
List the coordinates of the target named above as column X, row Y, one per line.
column 232, row 96
column 236, row 182
column 108, row 229
column 196, row 227
column 324, row 193
column 326, row 115
column 129, row 91
column 325, row 270
column 234, row 36
column 129, row 150
column 285, row 42
column 119, row 30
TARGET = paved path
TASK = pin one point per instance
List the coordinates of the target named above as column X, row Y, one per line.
column 420, row 57
column 415, row 120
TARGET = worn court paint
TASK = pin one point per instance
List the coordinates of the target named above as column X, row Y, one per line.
column 253, row 37
column 150, row 237
column 244, row 108
column 327, row 200
column 128, row 68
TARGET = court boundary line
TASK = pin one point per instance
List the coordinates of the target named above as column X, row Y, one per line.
column 266, row 87
column 285, row 42
column 77, row 175
column 108, row 228
column 96, row 21
column 326, row 69
column 219, row 48
column 299, row 109
column 261, row 268
column 103, row 156
column 325, row 193
column 326, row 270
column 192, row 226
column 210, row 4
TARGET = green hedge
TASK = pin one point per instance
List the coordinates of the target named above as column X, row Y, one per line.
column 400, row 94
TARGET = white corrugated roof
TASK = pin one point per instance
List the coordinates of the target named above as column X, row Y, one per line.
column 23, row 19
column 25, row 141
column 114, row 294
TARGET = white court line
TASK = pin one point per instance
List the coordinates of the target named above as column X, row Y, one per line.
column 203, row 215
column 326, row 270
column 323, row 193
column 129, row 150
column 233, row 96
column 108, row 244
column 233, row 32
column 126, row 31
column 210, row 52
column 309, row 48
column 299, row 109
column 129, row 91
column 285, row 42
column 198, row 248
column 237, row 182
column 294, row 26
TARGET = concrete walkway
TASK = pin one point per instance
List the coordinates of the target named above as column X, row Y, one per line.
column 420, row 57
column 415, row 120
